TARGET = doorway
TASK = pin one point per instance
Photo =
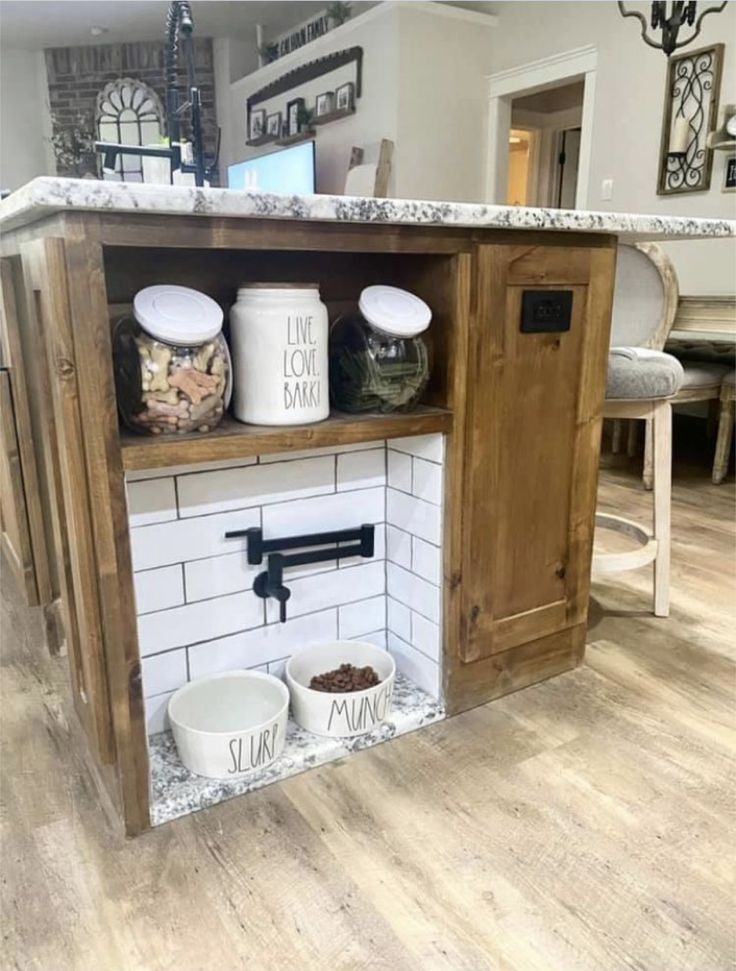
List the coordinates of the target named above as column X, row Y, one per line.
column 540, row 132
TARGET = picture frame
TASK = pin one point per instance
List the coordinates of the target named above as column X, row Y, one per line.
column 256, row 124
column 273, row 125
column 324, row 104
column 729, row 174
column 690, row 113
column 294, row 110
column 345, row 97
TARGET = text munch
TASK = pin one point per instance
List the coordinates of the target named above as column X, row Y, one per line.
column 358, row 714
column 253, row 752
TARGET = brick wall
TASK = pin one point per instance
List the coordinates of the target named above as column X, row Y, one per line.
column 76, row 75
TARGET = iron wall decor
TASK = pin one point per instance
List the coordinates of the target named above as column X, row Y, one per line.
column 681, row 12
column 690, row 112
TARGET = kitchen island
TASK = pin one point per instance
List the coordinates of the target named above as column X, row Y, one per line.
column 511, row 418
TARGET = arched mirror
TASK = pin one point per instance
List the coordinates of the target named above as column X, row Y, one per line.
column 130, row 113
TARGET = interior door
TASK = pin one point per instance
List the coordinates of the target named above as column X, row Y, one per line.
column 535, row 396
column 569, row 162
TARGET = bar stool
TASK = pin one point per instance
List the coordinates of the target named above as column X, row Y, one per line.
column 642, row 380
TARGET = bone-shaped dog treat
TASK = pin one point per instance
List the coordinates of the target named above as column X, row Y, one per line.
column 193, row 384
column 160, row 358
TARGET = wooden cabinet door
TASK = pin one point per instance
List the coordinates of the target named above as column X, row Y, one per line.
column 532, row 447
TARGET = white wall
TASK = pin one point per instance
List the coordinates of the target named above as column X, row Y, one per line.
column 25, row 123
column 423, row 71
column 628, row 117
column 377, row 110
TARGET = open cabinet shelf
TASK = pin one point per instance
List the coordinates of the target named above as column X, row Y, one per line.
column 234, row 440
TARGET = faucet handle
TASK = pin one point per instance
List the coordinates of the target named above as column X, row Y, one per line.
column 282, row 594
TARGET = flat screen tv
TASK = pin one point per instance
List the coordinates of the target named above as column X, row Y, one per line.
column 289, row 171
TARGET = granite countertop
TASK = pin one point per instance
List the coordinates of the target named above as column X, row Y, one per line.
column 46, row 195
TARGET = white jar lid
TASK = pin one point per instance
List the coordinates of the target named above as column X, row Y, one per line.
column 394, row 311
column 177, row 315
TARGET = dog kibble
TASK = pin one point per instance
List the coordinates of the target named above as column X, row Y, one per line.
column 345, row 678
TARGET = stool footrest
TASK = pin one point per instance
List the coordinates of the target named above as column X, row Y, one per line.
column 626, row 559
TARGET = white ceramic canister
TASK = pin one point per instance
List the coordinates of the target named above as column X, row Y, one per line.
column 278, row 336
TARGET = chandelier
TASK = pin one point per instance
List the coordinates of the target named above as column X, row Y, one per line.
column 681, row 12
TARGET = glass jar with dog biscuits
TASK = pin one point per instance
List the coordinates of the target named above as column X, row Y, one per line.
column 172, row 365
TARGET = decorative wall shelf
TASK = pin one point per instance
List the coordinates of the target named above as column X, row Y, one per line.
column 302, row 136
column 263, row 140
column 333, row 116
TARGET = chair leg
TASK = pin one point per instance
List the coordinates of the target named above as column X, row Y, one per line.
column 723, row 442
column 633, row 438
column 647, row 475
column 617, row 435
column 662, row 451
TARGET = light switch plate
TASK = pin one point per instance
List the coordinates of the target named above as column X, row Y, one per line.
column 607, row 189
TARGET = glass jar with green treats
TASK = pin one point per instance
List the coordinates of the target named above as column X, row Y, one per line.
column 378, row 361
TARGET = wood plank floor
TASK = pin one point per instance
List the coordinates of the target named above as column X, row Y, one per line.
column 581, row 824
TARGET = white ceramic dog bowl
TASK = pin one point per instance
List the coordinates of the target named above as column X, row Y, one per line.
column 341, row 714
column 228, row 724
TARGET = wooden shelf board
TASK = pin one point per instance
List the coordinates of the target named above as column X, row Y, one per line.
column 302, row 136
column 333, row 116
column 234, row 440
column 265, row 139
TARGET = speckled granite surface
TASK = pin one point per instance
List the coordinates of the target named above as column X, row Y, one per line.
column 177, row 792
column 47, row 195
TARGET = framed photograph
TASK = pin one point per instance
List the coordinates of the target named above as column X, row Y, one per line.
column 273, row 125
column 345, row 97
column 325, row 103
column 294, row 111
column 257, row 124
column 690, row 113
column 729, row 174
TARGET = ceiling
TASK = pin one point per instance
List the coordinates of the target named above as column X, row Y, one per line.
column 36, row 24
column 553, row 99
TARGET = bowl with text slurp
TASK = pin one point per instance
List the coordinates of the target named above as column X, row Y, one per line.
column 341, row 688
column 226, row 725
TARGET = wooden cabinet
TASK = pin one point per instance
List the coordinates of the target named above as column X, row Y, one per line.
column 521, row 413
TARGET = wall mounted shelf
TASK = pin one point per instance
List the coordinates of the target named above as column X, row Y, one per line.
column 333, row 116
column 263, row 140
column 302, row 136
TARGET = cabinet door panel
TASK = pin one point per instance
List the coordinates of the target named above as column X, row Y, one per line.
column 533, row 441
column 15, row 537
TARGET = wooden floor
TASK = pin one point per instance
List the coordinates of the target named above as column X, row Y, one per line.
column 581, row 824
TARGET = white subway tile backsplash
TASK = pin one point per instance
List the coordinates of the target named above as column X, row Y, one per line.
column 152, row 501
column 197, row 611
column 398, row 546
column 330, row 590
column 261, row 646
column 159, row 589
column 414, row 515
column 376, row 637
column 140, row 474
column 201, row 621
column 399, row 470
column 327, row 450
column 431, row 447
column 418, row 667
column 426, row 560
column 190, row 539
column 156, row 710
column 362, row 617
column 342, row 510
column 413, row 592
column 398, row 618
column 361, row 470
column 425, row 636
column 213, row 492
column 427, row 481
column 219, row 575
column 164, row 672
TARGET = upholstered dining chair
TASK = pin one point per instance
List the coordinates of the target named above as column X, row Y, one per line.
column 642, row 381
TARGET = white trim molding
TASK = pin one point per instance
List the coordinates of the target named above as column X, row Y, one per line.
column 528, row 79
